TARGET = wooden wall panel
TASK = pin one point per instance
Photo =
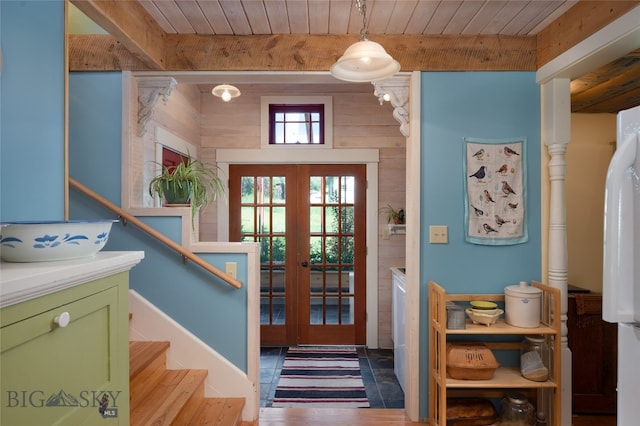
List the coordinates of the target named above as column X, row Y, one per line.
column 234, row 124
column 181, row 116
column 391, row 190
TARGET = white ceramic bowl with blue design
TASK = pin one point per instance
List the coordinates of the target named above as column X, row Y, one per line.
column 47, row 241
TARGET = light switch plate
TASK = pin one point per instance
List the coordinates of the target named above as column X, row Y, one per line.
column 231, row 269
column 438, row 234
column 386, row 234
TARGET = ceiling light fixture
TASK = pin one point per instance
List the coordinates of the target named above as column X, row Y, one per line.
column 364, row 60
column 226, row 92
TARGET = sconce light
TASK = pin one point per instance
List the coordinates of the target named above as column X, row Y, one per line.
column 226, row 92
column 364, row 60
column 382, row 97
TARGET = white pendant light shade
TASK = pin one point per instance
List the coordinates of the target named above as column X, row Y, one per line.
column 226, row 92
column 365, row 61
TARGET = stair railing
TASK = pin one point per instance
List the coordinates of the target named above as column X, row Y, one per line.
column 129, row 218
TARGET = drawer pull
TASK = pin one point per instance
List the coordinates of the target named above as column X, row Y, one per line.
column 63, row 319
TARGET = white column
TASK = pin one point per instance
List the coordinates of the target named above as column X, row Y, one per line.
column 556, row 133
column 403, row 92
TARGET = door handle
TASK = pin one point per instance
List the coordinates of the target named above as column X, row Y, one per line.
column 304, row 264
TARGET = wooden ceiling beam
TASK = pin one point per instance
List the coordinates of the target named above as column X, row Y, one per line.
column 131, row 25
column 578, row 23
column 616, row 83
column 620, row 101
column 308, row 52
column 102, row 53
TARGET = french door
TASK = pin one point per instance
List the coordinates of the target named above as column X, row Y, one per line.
column 310, row 223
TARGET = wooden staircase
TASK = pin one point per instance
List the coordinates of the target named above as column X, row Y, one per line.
column 162, row 397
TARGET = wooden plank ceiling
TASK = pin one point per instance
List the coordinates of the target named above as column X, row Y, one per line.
column 254, row 17
column 310, row 35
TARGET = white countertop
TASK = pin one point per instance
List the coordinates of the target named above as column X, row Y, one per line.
column 24, row 281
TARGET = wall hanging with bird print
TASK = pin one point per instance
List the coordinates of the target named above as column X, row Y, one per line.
column 494, row 190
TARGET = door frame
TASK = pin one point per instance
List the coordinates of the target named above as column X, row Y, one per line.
column 369, row 157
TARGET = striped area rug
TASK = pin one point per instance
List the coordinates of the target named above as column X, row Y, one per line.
column 321, row 377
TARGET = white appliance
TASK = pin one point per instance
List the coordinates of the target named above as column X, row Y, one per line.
column 621, row 274
column 399, row 294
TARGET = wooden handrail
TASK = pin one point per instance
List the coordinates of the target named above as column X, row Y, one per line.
column 186, row 254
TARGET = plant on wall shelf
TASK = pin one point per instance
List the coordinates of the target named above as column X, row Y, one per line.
column 394, row 216
column 191, row 182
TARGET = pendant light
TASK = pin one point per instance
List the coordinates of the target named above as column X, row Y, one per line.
column 226, row 92
column 364, row 60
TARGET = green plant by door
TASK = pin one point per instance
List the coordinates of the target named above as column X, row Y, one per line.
column 394, row 215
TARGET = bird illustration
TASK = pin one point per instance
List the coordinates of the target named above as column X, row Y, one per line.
column 480, row 174
column 500, row 221
column 488, row 229
column 479, row 154
column 477, row 210
column 503, row 170
column 513, row 206
column 509, row 152
column 507, row 189
column 488, row 196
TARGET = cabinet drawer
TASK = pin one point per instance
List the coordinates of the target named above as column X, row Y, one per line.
column 58, row 375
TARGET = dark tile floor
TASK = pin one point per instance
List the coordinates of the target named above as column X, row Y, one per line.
column 383, row 389
column 315, row 317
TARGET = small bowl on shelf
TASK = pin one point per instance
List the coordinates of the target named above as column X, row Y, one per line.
column 479, row 317
column 483, row 305
column 484, row 311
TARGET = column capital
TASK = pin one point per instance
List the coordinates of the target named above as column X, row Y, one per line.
column 556, row 111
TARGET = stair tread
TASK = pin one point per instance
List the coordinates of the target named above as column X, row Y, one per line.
column 141, row 354
column 163, row 403
column 162, row 397
column 218, row 412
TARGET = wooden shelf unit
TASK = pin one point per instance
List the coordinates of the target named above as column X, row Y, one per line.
column 506, row 378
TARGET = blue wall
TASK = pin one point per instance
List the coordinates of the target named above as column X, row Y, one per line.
column 489, row 105
column 32, row 110
column 199, row 301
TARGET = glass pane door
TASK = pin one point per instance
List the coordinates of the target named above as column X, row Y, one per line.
column 331, row 249
column 334, row 299
column 262, row 204
column 309, row 223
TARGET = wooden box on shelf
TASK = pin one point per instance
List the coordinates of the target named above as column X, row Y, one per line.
column 546, row 394
column 470, row 361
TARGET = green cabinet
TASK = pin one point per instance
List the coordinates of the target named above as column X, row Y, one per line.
column 65, row 356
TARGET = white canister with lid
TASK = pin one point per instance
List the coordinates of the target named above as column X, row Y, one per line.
column 522, row 305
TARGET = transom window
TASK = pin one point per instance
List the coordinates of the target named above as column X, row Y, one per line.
column 296, row 124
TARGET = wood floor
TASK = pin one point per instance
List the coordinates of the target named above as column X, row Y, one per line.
column 370, row 417
column 332, row 417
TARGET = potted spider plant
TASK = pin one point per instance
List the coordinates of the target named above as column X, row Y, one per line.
column 191, row 182
column 394, row 216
